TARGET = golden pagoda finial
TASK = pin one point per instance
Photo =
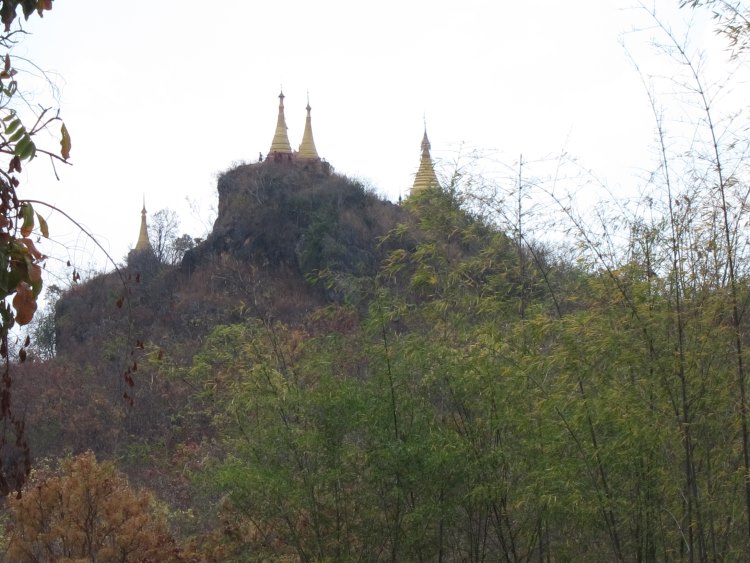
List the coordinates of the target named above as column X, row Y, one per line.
column 425, row 177
column 143, row 242
column 307, row 150
column 280, row 143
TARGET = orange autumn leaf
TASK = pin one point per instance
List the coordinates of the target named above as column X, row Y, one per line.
column 24, row 303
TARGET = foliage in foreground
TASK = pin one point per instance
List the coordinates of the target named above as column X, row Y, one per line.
column 86, row 510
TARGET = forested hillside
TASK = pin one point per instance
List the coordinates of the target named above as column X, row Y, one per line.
column 482, row 372
column 332, row 377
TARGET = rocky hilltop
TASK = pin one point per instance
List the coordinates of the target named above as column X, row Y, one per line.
column 289, row 237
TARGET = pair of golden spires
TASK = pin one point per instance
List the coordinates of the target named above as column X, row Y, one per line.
column 280, row 143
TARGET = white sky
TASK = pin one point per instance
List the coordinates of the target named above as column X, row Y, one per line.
column 161, row 97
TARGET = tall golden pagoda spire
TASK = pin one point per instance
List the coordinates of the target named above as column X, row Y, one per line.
column 280, row 143
column 425, row 177
column 307, row 149
column 143, row 242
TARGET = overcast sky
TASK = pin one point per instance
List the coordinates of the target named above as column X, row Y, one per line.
column 161, row 97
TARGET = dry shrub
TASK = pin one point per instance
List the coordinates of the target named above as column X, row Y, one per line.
column 86, row 510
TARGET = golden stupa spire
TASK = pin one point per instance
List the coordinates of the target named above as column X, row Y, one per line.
column 425, row 177
column 307, row 149
column 280, row 143
column 143, row 242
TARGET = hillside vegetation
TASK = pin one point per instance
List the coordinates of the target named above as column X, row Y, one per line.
column 331, row 377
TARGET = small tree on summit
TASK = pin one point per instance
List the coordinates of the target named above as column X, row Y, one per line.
column 162, row 232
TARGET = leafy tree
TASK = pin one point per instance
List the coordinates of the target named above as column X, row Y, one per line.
column 86, row 510
column 20, row 260
column 181, row 245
